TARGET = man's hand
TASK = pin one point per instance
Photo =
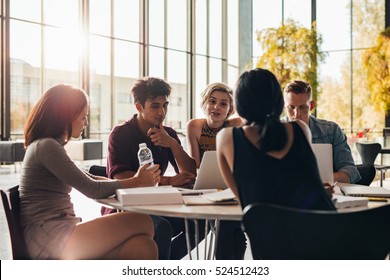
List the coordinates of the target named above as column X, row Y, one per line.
column 329, row 188
column 160, row 137
column 182, row 178
column 148, row 176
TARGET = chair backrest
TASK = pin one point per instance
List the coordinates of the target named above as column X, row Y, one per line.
column 368, row 151
column 98, row 170
column 367, row 172
column 277, row 232
column 10, row 199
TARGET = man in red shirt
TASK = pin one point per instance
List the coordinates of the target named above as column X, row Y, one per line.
column 151, row 101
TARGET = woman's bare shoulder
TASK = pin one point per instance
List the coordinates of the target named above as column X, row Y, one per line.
column 235, row 122
column 195, row 124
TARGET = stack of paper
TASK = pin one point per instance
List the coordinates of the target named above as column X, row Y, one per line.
column 341, row 201
column 149, row 196
column 216, row 198
column 224, row 195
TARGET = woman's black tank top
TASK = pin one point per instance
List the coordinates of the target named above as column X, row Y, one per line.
column 292, row 181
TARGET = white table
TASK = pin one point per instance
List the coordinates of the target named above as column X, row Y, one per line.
column 193, row 212
column 204, row 212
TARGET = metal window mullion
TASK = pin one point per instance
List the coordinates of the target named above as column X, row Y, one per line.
column 84, row 55
column 165, row 41
column 112, row 66
column 43, row 62
column 5, row 97
column 191, row 65
column 207, row 41
column 144, row 39
column 224, row 39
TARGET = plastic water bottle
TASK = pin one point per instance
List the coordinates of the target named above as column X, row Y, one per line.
column 145, row 155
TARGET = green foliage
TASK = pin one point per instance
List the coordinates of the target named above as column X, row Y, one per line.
column 376, row 61
column 291, row 52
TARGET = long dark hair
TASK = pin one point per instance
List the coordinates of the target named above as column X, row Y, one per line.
column 54, row 113
column 259, row 100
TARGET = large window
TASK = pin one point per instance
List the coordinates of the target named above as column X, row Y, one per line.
column 348, row 28
column 104, row 45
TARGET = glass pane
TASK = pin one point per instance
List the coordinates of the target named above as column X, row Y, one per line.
column 124, row 107
column 25, row 92
column 215, row 72
column 368, row 22
column 334, row 102
column 126, row 19
column 201, row 27
column 25, row 42
column 299, row 11
column 99, row 104
column 25, row 53
column 177, row 109
column 233, row 32
column 333, row 22
column 100, row 17
column 100, row 82
column 156, row 22
column 365, row 114
column 99, row 55
column 61, row 13
column 266, row 14
column 177, row 24
column 233, row 74
column 26, row 9
column 177, row 67
column 200, row 83
column 177, row 77
column 126, row 59
column 156, row 62
column 215, row 28
column 59, row 53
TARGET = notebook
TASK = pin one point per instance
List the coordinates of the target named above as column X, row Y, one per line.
column 365, row 191
column 209, row 177
column 324, row 156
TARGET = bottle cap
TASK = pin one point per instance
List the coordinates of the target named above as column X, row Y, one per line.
column 142, row 145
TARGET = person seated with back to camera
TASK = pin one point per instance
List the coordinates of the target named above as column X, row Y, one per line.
column 151, row 102
column 298, row 104
column 217, row 105
column 51, row 228
column 267, row 161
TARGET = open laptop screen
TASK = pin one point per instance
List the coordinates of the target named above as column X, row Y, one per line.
column 324, row 156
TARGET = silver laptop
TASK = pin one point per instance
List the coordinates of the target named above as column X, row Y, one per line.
column 209, row 175
column 324, row 156
column 355, row 190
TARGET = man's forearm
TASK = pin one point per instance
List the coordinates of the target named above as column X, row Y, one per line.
column 184, row 161
column 341, row 177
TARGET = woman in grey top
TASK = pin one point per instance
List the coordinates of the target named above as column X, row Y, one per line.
column 51, row 229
